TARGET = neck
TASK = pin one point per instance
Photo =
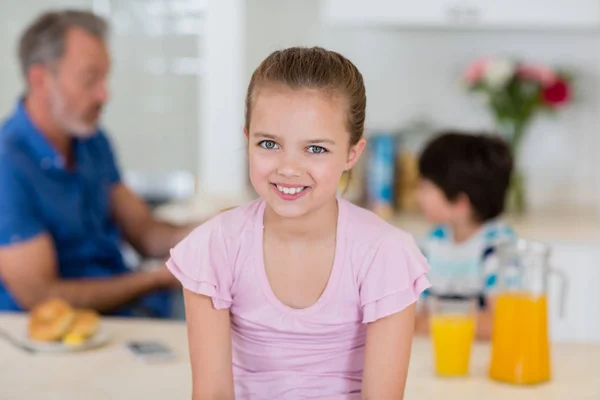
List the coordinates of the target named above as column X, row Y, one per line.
column 463, row 230
column 40, row 117
column 315, row 226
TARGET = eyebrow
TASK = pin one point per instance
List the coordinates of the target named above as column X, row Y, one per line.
column 265, row 135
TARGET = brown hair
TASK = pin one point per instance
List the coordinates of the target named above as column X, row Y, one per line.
column 314, row 68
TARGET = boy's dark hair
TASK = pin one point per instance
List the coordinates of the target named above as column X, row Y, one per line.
column 478, row 165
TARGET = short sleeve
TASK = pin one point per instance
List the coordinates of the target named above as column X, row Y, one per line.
column 109, row 159
column 19, row 218
column 394, row 277
column 494, row 238
column 201, row 264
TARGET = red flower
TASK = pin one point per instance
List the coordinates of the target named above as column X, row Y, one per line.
column 557, row 93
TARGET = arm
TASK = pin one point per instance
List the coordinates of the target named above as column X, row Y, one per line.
column 387, row 355
column 209, row 338
column 485, row 320
column 150, row 237
column 421, row 321
column 30, row 272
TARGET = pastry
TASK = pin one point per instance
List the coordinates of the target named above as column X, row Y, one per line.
column 84, row 326
column 50, row 320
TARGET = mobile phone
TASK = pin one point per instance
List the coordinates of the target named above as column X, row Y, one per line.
column 150, row 351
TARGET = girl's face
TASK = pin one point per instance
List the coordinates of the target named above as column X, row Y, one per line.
column 298, row 148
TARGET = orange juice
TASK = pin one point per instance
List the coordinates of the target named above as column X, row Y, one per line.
column 520, row 349
column 452, row 336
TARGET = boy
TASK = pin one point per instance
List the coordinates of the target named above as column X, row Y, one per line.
column 463, row 183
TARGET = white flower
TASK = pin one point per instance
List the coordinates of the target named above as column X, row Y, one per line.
column 498, row 73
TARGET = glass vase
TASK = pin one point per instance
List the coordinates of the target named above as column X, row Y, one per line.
column 516, row 199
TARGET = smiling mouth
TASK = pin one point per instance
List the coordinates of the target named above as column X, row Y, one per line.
column 290, row 190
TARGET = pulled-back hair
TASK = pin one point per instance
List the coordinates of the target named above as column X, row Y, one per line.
column 314, row 68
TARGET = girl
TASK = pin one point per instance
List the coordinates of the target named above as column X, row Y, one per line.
column 300, row 294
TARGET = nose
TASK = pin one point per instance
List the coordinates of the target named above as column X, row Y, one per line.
column 102, row 93
column 289, row 167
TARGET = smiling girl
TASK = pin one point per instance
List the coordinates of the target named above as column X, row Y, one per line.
column 300, row 294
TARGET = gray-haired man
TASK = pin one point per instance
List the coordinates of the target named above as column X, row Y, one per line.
column 63, row 207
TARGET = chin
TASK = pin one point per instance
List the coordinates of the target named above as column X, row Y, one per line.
column 287, row 209
column 83, row 130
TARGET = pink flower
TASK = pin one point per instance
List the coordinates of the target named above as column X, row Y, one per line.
column 476, row 70
column 540, row 73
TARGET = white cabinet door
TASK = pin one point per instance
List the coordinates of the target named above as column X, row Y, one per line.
column 391, row 12
column 529, row 14
column 581, row 266
column 534, row 13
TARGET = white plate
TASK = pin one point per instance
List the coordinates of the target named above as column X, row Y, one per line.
column 99, row 339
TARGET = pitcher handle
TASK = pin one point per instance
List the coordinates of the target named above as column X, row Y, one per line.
column 563, row 290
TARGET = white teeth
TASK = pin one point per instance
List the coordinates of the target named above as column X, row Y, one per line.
column 288, row 190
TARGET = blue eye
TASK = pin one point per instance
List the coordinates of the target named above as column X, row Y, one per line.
column 317, row 149
column 268, row 144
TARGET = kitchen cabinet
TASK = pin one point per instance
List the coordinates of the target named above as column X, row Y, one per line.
column 390, row 12
column 531, row 14
column 535, row 13
column 579, row 263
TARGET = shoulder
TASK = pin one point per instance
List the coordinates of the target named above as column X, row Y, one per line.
column 227, row 229
column 389, row 268
column 10, row 143
column 497, row 231
column 370, row 237
column 440, row 232
column 205, row 261
column 366, row 229
column 233, row 224
column 13, row 158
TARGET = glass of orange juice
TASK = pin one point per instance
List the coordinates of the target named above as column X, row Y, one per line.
column 452, row 328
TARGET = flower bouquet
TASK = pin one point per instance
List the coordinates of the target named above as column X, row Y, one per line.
column 515, row 92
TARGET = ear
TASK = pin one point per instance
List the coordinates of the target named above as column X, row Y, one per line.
column 246, row 134
column 36, row 77
column 463, row 203
column 354, row 153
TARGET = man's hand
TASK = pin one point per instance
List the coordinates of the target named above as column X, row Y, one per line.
column 165, row 278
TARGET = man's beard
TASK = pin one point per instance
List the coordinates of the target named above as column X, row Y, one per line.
column 67, row 120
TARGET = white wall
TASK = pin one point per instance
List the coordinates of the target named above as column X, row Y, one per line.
column 155, row 83
column 154, row 119
column 414, row 72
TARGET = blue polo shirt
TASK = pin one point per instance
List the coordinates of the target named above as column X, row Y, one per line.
column 39, row 194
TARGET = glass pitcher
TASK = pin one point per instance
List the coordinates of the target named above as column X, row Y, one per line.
column 520, row 343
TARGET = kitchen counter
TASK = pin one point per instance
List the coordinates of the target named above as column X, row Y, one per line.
column 549, row 225
column 111, row 372
column 564, row 225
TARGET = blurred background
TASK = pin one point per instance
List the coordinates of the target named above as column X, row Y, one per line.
column 180, row 74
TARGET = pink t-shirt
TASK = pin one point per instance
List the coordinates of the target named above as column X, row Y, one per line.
column 284, row 353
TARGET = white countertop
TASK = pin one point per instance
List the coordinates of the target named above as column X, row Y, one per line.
column 550, row 225
column 112, row 373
